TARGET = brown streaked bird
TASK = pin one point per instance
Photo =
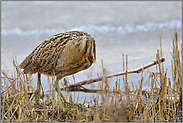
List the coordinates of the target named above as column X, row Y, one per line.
column 61, row 55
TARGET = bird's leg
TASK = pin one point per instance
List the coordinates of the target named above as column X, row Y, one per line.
column 57, row 88
column 37, row 91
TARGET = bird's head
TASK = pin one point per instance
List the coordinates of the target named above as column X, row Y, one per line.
column 89, row 46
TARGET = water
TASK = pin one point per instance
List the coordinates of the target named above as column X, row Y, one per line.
column 119, row 27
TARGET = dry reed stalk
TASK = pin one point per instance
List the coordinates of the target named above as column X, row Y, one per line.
column 126, row 83
column 153, row 102
column 159, row 105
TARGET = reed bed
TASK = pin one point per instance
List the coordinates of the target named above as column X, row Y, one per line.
column 162, row 102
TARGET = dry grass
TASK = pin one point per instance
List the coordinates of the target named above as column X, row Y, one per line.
column 161, row 103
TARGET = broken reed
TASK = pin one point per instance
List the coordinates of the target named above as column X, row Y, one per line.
column 161, row 102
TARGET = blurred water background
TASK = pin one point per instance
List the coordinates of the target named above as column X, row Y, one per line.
column 119, row 27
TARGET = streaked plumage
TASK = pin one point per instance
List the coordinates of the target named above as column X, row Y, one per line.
column 62, row 54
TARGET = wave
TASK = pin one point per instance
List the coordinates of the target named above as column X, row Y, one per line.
column 128, row 28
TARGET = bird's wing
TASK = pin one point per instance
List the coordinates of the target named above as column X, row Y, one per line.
column 44, row 56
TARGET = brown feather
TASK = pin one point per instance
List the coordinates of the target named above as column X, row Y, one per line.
column 62, row 54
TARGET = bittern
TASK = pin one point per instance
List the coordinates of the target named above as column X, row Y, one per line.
column 61, row 55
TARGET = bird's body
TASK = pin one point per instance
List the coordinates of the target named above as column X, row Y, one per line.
column 61, row 55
